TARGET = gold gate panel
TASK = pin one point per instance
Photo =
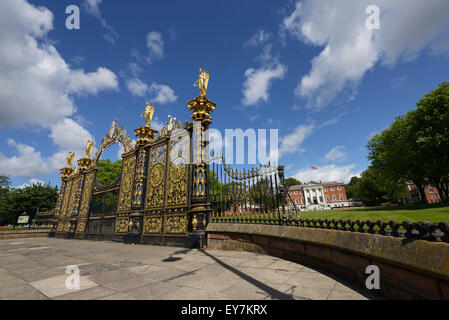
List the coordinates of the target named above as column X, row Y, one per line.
column 177, row 182
column 87, row 193
column 124, row 203
column 152, row 225
column 156, row 178
column 65, row 204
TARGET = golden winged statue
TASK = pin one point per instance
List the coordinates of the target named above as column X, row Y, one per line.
column 70, row 158
column 89, row 147
column 202, row 82
column 149, row 111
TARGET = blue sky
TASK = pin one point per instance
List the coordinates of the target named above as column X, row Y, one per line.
column 308, row 68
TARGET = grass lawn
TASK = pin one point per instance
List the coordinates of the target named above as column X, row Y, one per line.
column 421, row 212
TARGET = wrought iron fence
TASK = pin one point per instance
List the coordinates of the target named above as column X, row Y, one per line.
column 247, row 192
column 259, row 196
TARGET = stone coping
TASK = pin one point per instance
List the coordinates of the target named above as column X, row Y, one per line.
column 431, row 258
column 25, row 231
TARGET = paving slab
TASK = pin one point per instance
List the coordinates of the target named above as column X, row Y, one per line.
column 54, row 287
column 88, row 294
column 36, row 269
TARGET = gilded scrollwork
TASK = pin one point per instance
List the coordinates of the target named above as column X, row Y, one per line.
column 127, row 183
column 81, row 226
column 178, row 175
column 84, row 209
column 153, row 225
column 156, row 177
column 75, row 197
column 175, row 224
column 121, row 225
column 60, row 227
column 139, row 178
column 115, row 134
column 65, row 204
column 60, row 199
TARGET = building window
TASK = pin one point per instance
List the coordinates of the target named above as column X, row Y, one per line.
column 321, row 199
column 431, row 190
column 295, row 193
column 325, row 189
column 332, row 188
column 302, row 200
column 341, row 197
column 334, row 197
column 327, row 199
column 339, row 188
column 296, row 201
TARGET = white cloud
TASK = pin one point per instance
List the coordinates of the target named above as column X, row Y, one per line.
column 31, row 183
column 36, row 87
column 257, row 39
column 36, row 84
column 37, row 182
column 159, row 93
column 258, row 81
column 92, row 8
column 68, row 134
column 327, row 173
column 155, row 46
column 157, row 124
column 291, row 143
column 26, row 163
column 336, row 154
column 162, row 93
column 350, row 49
column 137, row 87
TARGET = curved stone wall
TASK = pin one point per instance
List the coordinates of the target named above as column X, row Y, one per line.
column 409, row 269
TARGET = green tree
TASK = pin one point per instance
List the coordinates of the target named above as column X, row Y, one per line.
column 396, row 154
column 351, row 187
column 374, row 187
column 28, row 199
column 291, row 182
column 430, row 124
column 108, row 171
column 5, row 183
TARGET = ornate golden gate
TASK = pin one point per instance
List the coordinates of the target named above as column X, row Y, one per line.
column 162, row 195
column 154, row 194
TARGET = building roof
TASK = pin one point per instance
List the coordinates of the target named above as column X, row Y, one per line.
column 295, row 187
column 333, row 183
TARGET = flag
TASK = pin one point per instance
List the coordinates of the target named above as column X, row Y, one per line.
column 314, row 168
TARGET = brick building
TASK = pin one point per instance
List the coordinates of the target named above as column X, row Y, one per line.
column 413, row 195
column 319, row 196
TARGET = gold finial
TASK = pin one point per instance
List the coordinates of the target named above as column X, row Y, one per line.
column 202, row 82
column 89, row 146
column 70, row 158
column 148, row 113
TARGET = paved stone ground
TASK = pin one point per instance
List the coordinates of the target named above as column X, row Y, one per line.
column 35, row 268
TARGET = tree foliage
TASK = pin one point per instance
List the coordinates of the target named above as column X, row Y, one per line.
column 415, row 148
column 291, row 182
column 28, row 199
column 108, row 171
column 375, row 187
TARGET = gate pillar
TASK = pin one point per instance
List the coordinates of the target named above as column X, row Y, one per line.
column 200, row 207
